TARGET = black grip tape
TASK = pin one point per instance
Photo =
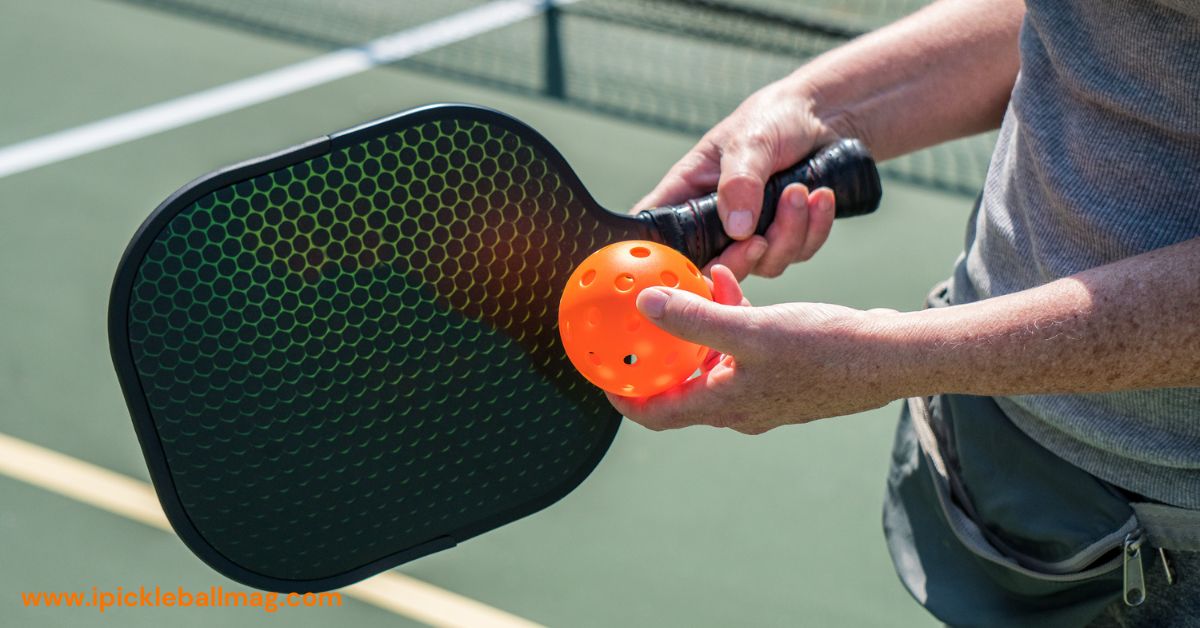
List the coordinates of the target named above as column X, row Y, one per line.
column 846, row 167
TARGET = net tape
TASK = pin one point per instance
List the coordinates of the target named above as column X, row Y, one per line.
column 674, row 64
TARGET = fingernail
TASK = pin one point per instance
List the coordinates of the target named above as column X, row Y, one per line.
column 741, row 223
column 826, row 203
column 756, row 250
column 653, row 302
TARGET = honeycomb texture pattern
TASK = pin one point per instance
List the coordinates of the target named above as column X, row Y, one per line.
column 356, row 354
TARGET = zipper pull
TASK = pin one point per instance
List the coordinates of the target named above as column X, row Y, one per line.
column 1135, row 580
column 1166, row 565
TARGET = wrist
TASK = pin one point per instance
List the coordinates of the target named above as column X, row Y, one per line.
column 829, row 106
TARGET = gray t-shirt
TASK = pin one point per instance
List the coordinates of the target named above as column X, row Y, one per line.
column 1098, row 159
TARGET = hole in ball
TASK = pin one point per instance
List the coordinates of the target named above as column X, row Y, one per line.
column 630, row 359
column 639, row 251
column 587, row 278
column 669, row 279
column 624, row 282
column 627, row 388
column 692, row 269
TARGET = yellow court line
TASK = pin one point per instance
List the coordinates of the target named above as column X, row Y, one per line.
column 132, row 499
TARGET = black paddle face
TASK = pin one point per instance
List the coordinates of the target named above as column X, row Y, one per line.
column 344, row 356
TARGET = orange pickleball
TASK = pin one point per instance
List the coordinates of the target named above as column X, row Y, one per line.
column 607, row 339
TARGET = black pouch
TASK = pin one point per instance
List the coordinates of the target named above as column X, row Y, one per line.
column 988, row 528
column 1052, row 550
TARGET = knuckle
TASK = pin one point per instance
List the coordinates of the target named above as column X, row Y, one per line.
column 738, row 181
column 691, row 161
column 673, row 419
column 798, row 252
column 722, row 419
column 726, row 410
column 735, row 422
column 651, row 422
column 693, row 316
column 760, row 138
column 770, row 270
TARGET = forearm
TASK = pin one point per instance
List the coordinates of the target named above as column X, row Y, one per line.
column 1133, row 324
column 944, row 72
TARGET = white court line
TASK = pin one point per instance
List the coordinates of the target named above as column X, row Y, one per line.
column 129, row 498
column 212, row 102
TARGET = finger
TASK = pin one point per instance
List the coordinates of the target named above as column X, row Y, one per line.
column 710, row 360
column 725, row 287
column 786, row 235
column 744, row 172
column 822, row 208
column 704, row 400
column 741, row 257
column 726, row 291
column 694, row 318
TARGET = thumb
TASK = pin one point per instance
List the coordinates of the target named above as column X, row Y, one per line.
column 696, row 319
column 744, row 172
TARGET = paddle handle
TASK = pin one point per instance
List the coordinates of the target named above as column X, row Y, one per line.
column 846, row 167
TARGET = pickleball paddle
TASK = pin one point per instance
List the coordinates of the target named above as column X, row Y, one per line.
column 344, row 356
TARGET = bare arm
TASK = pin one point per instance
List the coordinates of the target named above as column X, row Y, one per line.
column 1132, row 324
column 939, row 74
column 944, row 72
column 1127, row 325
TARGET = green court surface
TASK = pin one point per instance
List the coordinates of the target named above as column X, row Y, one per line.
column 697, row 527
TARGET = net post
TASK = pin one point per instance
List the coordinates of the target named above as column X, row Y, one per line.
column 555, row 80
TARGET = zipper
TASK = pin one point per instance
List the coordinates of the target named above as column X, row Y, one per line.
column 1083, row 559
column 1097, row 559
column 1135, row 578
column 1168, row 571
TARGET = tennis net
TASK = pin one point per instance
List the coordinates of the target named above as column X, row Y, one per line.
column 676, row 64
